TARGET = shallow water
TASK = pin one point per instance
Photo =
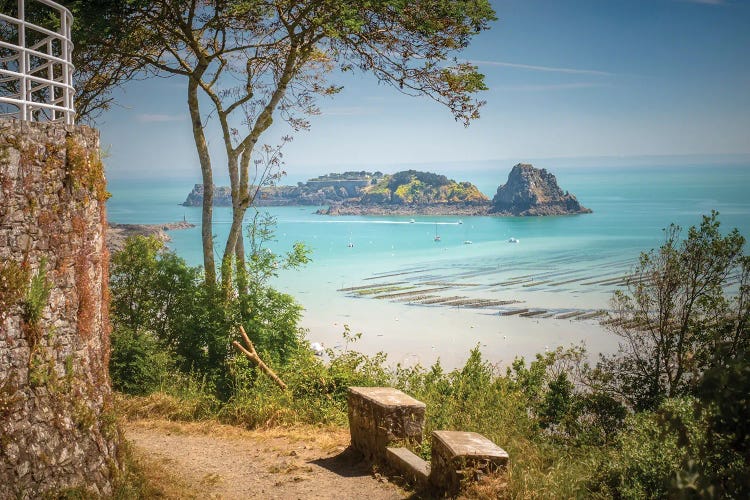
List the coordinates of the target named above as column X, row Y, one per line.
column 560, row 264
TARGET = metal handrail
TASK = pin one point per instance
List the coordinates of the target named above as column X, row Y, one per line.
column 29, row 89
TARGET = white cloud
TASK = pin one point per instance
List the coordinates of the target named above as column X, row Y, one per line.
column 158, row 118
column 550, row 69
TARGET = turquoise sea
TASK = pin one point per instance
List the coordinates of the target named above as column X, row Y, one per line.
column 562, row 266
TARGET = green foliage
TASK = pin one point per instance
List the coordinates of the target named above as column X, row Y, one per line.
column 650, row 450
column 160, row 304
column 138, row 363
column 415, row 187
column 678, row 307
column 37, row 294
column 14, row 281
column 271, row 317
column 724, row 391
column 317, row 388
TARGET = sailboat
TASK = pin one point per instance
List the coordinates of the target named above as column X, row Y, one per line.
column 437, row 236
column 350, row 244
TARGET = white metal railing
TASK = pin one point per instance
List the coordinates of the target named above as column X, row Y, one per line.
column 36, row 72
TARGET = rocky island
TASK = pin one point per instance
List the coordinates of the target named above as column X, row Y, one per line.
column 533, row 191
column 528, row 192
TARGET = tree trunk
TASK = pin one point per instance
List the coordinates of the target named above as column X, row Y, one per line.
column 209, row 265
column 239, row 262
column 242, row 284
column 235, row 231
column 235, row 246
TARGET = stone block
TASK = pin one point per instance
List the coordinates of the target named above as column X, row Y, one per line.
column 409, row 465
column 380, row 416
column 462, row 456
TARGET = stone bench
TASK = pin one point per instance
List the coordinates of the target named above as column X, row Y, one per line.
column 462, row 456
column 381, row 416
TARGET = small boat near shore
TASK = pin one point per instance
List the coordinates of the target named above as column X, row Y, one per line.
column 514, row 240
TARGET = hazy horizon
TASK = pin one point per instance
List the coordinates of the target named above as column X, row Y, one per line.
column 295, row 173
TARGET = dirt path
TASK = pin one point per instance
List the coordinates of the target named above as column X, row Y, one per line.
column 216, row 461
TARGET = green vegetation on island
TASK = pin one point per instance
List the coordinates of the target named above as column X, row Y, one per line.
column 411, row 187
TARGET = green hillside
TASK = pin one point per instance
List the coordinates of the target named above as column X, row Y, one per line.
column 411, row 187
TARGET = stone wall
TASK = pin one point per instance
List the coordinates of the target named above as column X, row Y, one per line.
column 57, row 429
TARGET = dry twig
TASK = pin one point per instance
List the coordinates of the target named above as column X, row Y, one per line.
column 253, row 356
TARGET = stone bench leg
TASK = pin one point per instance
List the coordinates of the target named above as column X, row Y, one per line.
column 458, row 456
column 380, row 416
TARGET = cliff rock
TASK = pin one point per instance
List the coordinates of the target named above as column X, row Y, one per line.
column 533, row 191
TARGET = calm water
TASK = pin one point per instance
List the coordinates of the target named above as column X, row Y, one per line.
column 560, row 264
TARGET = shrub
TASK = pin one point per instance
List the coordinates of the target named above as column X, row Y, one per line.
column 138, row 364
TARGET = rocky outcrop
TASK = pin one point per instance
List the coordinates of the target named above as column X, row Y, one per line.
column 118, row 233
column 58, row 428
column 533, row 191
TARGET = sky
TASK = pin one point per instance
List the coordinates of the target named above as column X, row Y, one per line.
column 568, row 80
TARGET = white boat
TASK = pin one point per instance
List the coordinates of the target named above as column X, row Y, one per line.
column 437, row 236
column 412, row 221
column 514, row 240
column 460, row 221
column 468, row 242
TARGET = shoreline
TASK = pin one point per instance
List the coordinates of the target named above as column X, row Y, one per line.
column 447, row 209
column 411, row 336
column 408, row 210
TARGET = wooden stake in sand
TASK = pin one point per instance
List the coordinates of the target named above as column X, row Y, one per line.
column 253, row 356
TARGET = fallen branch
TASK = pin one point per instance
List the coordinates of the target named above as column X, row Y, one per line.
column 253, row 356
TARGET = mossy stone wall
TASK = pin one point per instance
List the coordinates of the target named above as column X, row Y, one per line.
column 57, row 429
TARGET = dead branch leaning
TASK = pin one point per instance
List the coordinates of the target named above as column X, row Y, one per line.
column 253, row 356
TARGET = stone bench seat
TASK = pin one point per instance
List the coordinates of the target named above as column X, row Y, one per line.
column 411, row 467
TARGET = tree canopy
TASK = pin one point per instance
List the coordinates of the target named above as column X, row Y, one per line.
column 255, row 61
column 684, row 303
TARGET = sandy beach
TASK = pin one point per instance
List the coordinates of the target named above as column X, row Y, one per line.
column 423, row 334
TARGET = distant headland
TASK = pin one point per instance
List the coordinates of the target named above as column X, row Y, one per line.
column 528, row 192
column 118, row 233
